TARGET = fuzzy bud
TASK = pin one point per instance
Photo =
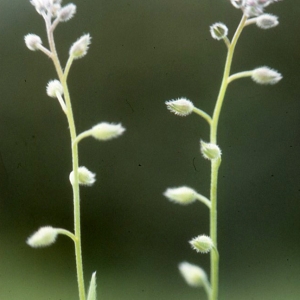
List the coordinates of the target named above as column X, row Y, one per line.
column 85, row 177
column 202, row 244
column 210, row 151
column 181, row 107
column 181, row 195
column 54, row 87
column 267, row 21
column 33, row 41
column 105, row 131
column 67, row 12
column 218, row 31
column 193, row 275
column 80, row 47
column 237, row 3
column 44, row 237
column 265, row 75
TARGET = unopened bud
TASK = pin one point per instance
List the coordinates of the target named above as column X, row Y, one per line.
column 210, row 151
column 202, row 243
column 32, row 41
column 80, row 47
column 181, row 107
column 193, row 275
column 265, row 75
column 45, row 236
column 181, row 195
column 238, row 3
column 218, row 31
column 105, row 131
column 267, row 21
column 54, row 87
column 67, row 12
column 85, row 177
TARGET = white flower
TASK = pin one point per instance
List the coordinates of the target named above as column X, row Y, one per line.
column 33, row 41
column 210, row 151
column 105, row 131
column 193, row 275
column 181, row 195
column 267, row 21
column 181, row 107
column 202, row 244
column 45, row 236
column 54, row 87
column 80, row 47
column 266, row 75
column 85, row 177
column 218, row 31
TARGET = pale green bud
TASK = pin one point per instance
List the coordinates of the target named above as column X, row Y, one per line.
column 80, row 47
column 181, row 195
column 85, row 177
column 54, row 87
column 181, row 107
column 33, row 41
column 44, row 237
column 202, row 244
column 266, row 21
column 193, row 275
column 105, row 131
column 266, row 75
column 218, row 31
column 210, row 151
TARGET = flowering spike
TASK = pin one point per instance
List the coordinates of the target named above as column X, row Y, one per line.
column 44, row 237
column 181, row 107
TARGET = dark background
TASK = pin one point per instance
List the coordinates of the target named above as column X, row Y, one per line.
column 142, row 54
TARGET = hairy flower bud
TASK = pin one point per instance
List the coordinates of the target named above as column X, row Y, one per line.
column 265, row 75
column 80, row 47
column 218, row 31
column 32, row 41
column 181, row 195
column 181, row 107
column 54, row 87
column 85, row 177
column 105, row 131
column 45, row 236
column 67, row 12
column 266, row 21
column 202, row 244
column 210, row 151
column 193, row 275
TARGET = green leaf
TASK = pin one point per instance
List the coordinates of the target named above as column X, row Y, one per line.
column 92, row 289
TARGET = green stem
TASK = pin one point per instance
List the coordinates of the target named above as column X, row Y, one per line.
column 76, row 196
column 215, row 164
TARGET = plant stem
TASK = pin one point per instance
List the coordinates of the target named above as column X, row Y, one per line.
column 74, row 148
column 215, row 164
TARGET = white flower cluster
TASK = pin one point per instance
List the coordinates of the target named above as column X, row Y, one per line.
column 252, row 8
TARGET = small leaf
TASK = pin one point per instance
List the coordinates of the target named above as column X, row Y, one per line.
column 92, row 289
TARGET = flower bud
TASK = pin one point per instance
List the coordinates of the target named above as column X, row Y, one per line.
column 181, row 107
column 202, row 243
column 54, row 87
column 80, row 47
column 85, row 177
column 181, row 195
column 45, row 236
column 267, row 21
column 67, row 12
column 218, row 31
column 238, row 3
column 105, row 131
column 265, row 75
column 193, row 275
column 210, row 151
column 33, row 41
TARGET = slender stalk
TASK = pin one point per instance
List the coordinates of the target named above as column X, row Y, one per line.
column 75, row 163
column 215, row 164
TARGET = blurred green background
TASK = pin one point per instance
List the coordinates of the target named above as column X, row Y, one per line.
column 142, row 54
